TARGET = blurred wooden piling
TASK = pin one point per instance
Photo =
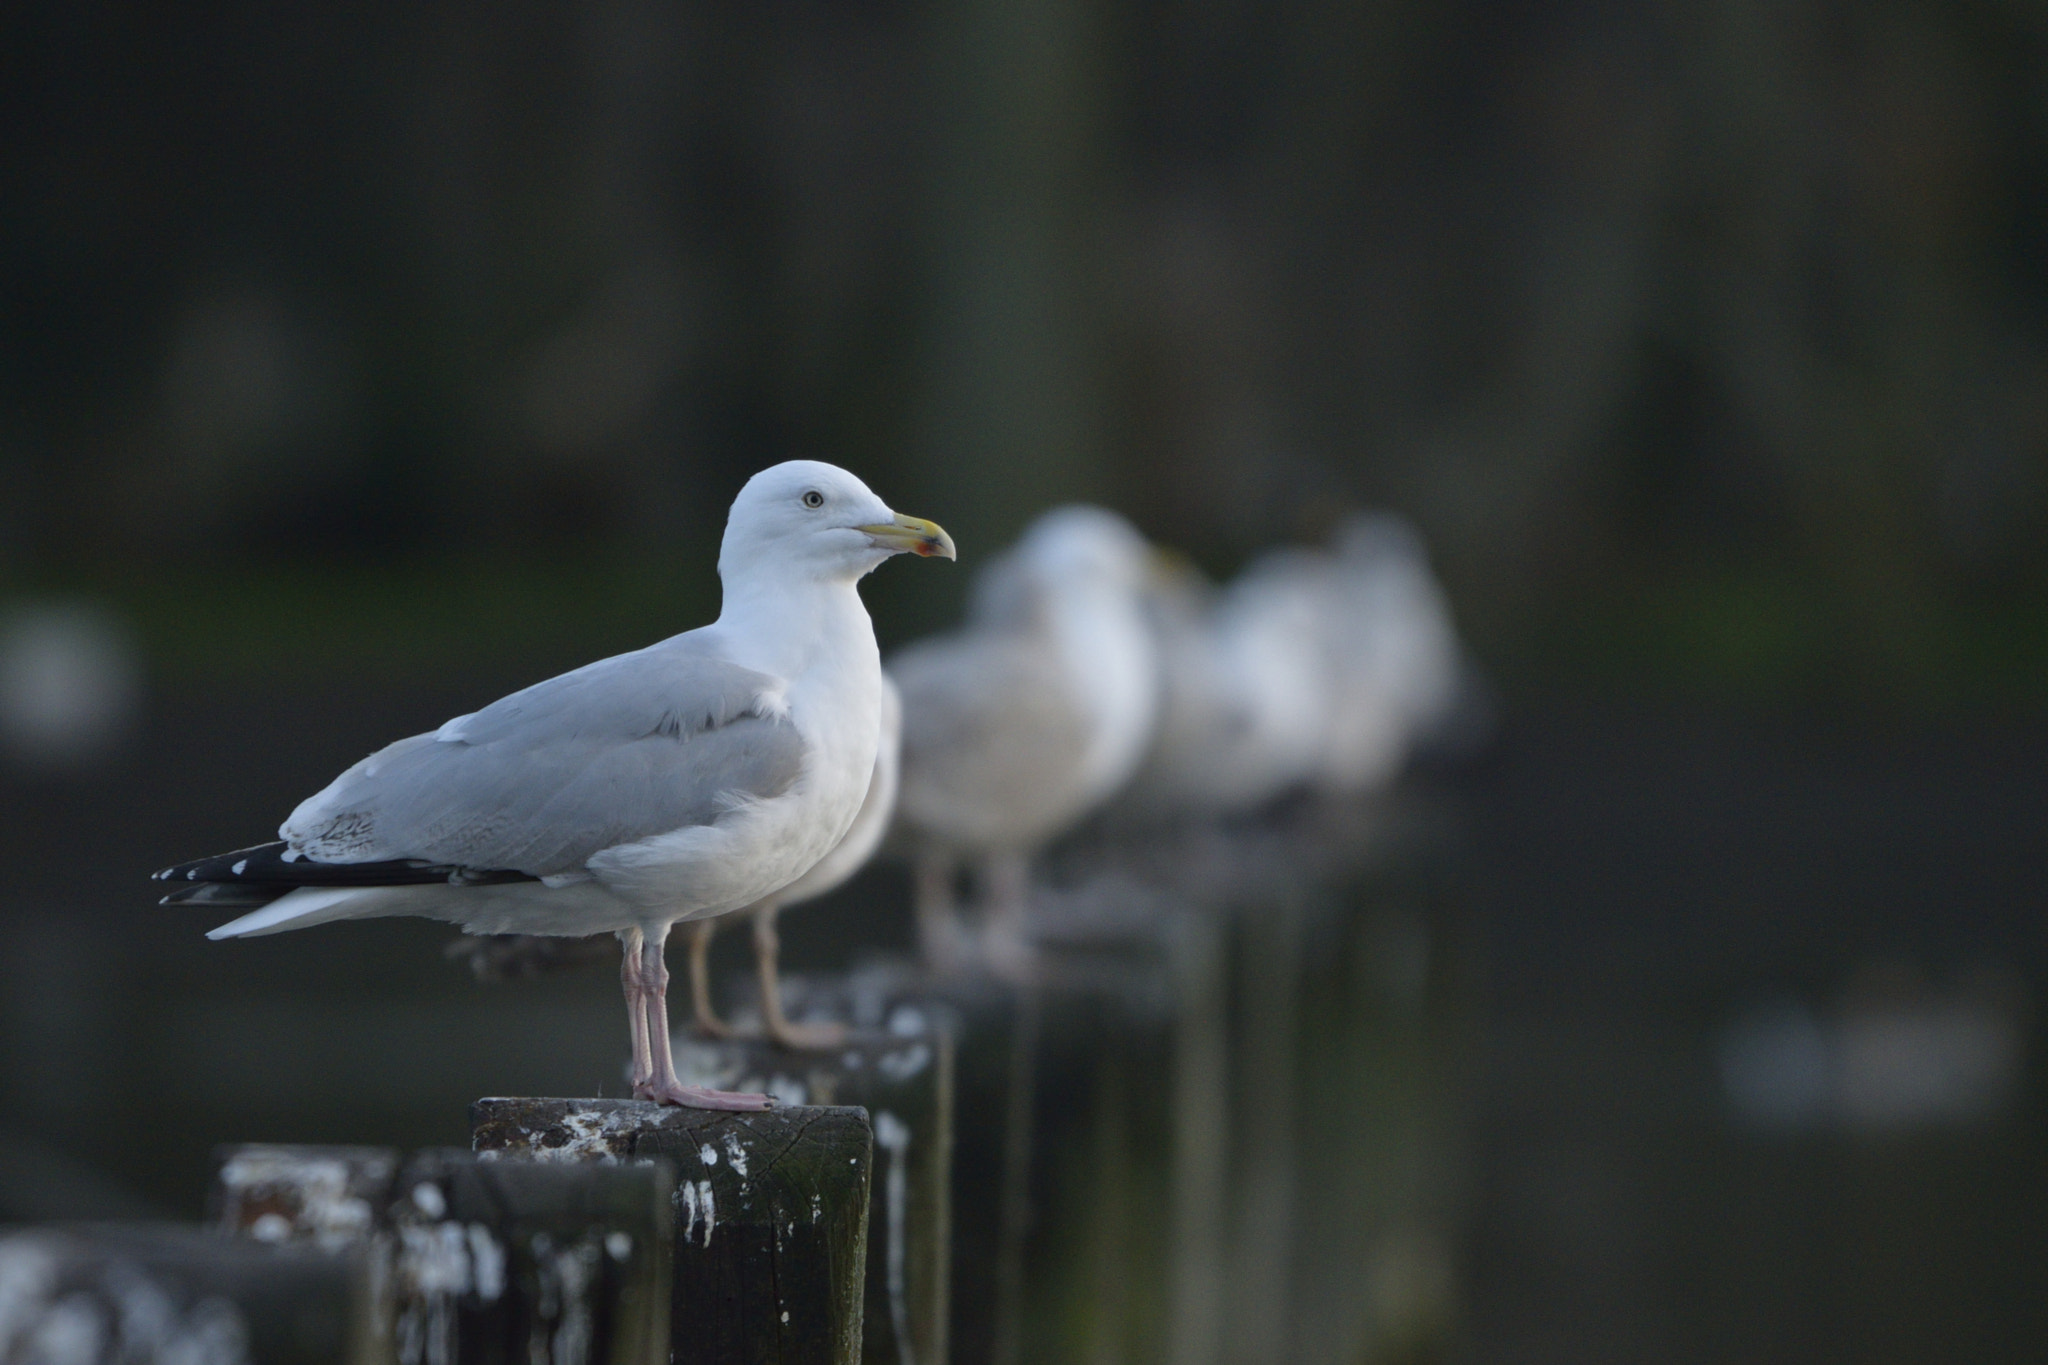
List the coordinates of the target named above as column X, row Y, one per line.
column 114, row 1294
column 1224, row 1126
column 276, row 1192
column 476, row 1260
column 771, row 1215
column 516, row 1260
column 903, row 1076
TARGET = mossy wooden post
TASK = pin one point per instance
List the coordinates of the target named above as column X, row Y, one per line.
column 480, row 1261
column 517, row 1260
column 108, row 1293
column 771, row 1215
column 904, row 1078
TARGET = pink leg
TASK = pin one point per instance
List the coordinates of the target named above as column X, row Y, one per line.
column 662, row 1086
column 767, row 948
column 708, row 1022
column 1006, row 935
column 636, row 1006
column 938, row 916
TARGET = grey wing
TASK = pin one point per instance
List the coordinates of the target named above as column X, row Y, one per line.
column 992, row 740
column 617, row 751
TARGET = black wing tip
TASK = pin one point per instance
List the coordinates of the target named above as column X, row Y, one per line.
column 218, row 868
column 273, row 866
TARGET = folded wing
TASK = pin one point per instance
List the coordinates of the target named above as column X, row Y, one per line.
column 614, row 752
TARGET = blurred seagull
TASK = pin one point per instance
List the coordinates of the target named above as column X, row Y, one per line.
column 1245, row 687
column 1397, row 667
column 1022, row 722
column 829, row 874
column 681, row 781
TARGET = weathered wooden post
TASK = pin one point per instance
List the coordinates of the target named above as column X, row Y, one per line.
column 276, row 1192
column 515, row 1261
column 902, row 1074
column 113, row 1294
column 771, row 1215
column 478, row 1261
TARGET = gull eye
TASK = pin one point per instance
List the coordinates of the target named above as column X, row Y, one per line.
column 814, row 499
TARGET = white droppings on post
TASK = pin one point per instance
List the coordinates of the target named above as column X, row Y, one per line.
column 326, row 1211
column 618, row 1245
column 271, row 1227
column 434, row 1258
column 708, row 1154
column 428, row 1199
column 901, row 1065
column 736, row 1153
column 130, row 1316
column 892, row 1135
column 709, row 1208
column 566, row 1277
column 593, row 1136
column 487, row 1263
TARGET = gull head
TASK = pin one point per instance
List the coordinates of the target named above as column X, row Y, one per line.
column 1078, row 551
column 816, row 520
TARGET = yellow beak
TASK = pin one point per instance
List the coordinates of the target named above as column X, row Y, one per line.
column 914, row 534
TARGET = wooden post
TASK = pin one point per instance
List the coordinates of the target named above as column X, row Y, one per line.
column 274, row 1192
column 771, row 1215
column 904, row 1078
column 110, row 1294
column 518, row 1260
column 478, row 1260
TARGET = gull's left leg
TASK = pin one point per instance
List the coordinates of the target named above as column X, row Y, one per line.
column 708, row 1022
column 636, row 1006
column 662, row 1086
column 767, row 948
column 1006, row 945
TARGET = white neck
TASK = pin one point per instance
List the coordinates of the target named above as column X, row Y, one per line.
column 787, row 626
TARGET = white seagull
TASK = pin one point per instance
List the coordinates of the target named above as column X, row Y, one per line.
column 1020, row 724
column 1398, row 667
column 685, row 780
column 829, row 874
column 1246, row 687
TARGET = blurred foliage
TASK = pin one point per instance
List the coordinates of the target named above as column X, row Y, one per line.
column 1709, row 342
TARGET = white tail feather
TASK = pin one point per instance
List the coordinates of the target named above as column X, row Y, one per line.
column 304, row 908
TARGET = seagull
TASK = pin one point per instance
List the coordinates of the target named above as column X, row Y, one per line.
column 1025, row 720
column 1398, row 667
column 682, row 781
column 829, row 874
column 1246, row 687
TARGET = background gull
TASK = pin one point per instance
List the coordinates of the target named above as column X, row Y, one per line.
column 1397, row 669
column 678, row 782
column 1245, row 686
column 830, row 873
column 1025, row 720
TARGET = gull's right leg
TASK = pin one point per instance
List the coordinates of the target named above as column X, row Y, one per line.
column 708, row 1022
column 636, row 1006
column 663, row 1087
column 938, row 914
column 1006, row 945
column 767, row 951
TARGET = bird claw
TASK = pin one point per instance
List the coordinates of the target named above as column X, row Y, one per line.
column 703, row 1097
